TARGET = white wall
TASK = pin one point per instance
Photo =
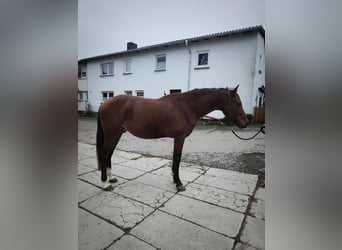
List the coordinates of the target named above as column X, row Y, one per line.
column 232, row 61
column 259, row 74
column 143, row 75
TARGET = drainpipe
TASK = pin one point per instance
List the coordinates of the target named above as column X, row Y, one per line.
column 189, row 69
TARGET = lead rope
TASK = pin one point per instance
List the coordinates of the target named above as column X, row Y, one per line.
column 262, row 130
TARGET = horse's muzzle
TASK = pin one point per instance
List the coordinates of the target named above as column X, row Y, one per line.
column 242, row 121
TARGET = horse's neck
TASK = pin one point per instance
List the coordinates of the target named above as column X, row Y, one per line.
column 206, row 102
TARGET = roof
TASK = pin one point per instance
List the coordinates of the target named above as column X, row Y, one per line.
column 259, row 29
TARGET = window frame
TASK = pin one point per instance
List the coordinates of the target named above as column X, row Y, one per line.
column 128, row 92
column 156, row 63
column 81, row 94
column 107, row 68
column 140, row 91
column 202, row 66
column 175, row 91
column 82, row 71
column 125, row 71
column 107, row 92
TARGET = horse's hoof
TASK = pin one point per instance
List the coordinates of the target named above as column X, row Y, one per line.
column 113, row 180
column 109, row 188
column 180, row 188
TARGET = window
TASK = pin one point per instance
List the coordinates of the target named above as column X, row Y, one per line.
column 107, row 69
column 127, row 69
column 128, row 92
column 82, row 96
column 160, row 63
column 82, row 71
column 202, row 59
column 174, row 91
column 107, row 94
column 140, row 93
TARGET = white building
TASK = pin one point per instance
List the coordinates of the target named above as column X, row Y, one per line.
column 218, row 60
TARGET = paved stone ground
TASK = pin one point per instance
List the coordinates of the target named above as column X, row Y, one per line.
column 220, row 209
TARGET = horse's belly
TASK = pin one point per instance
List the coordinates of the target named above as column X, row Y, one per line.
column 145, row 132
column 150, row 121
column 152, row 129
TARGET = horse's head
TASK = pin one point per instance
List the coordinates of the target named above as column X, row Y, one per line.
column 234, row 110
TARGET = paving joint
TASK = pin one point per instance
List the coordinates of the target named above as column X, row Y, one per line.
column 243, row 223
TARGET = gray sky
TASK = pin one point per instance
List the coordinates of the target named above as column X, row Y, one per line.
column 105, row 26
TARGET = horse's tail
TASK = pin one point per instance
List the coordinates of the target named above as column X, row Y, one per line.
column 99, row 140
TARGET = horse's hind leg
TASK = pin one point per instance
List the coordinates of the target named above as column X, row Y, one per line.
column 106, row 170
column 177, row 154
column 110, row 176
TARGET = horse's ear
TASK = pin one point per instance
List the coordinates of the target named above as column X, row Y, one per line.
column 235, row 90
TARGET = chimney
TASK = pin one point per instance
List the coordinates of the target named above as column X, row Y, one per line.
column 131, row 45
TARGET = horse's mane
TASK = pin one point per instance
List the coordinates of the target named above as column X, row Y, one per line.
column 195, row 92
column 205, row 89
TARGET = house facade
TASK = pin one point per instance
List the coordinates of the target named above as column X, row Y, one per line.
column 224, row 59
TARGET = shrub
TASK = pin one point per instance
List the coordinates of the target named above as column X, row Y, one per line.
column 88, row 109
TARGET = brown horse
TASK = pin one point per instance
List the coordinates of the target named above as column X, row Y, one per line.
column 169, row 116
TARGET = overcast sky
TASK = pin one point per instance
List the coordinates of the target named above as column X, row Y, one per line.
column 105, row 26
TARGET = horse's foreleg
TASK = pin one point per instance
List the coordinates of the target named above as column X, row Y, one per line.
column 177, row 155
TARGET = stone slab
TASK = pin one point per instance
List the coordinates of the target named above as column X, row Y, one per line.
column 130, row 242
column 126, row 172
column 253, row 233
column 81, row 156
column 86, row 190
column 159, row 181
column 260, row 194
column 85, row 149
column 223, row 198
column 188, row 173
column 94, row 233
column 120, row 157
column 229, row 184
column 146, row 164
column 232, row 175
column 83, row 169
column 170, row 233
column 219, row 219
column 90, row 162
column 123, row 212
column 146, row 194
column 125, row 155
column 241, row 246
column 190, row 167
column 95, row 178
